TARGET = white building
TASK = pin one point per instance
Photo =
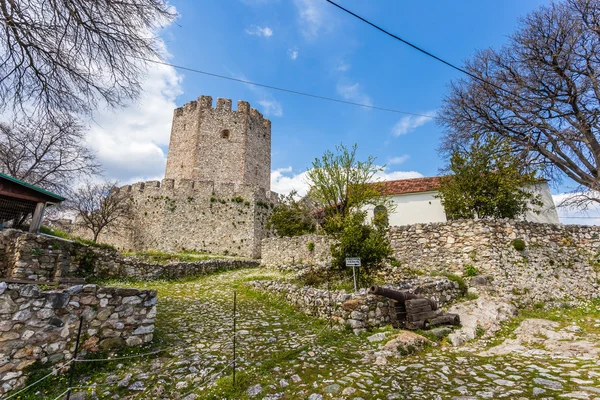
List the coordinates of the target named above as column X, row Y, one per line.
column 417, row 202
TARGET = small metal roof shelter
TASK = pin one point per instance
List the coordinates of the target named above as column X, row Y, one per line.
column 18, row 199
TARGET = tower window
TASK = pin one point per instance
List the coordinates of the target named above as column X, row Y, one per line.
column 225, row 134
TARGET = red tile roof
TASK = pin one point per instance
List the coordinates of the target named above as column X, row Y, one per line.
column 415, row 185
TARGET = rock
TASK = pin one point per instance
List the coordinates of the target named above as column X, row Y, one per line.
column 377, row 337
column 484, row 314
column 125, row 381
column 254, row 391
column 440, row 332
column 137, row 386
column 478, row 281
column 315, row 396
column 333, row 388
column 29, row 291
column 57, row 300
column 3, row 287
column 406, row 343
column 110, row 343
column 548, row 384
column 133, row 341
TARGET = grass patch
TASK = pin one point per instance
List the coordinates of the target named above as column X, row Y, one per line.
column 46, row 230
column 161, row 257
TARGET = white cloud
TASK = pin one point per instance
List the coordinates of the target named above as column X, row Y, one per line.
column 293, row 53
column 259, row 31
column 271, row 107
column 411, row 122
column 387, row 175
column 398, row 160
column 129, row 142
column 313, row 17
column 569, row 215
column 354, row 93
column 342, row 66
column 283, row 182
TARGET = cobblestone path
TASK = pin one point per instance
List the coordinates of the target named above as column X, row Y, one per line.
column 286, row 355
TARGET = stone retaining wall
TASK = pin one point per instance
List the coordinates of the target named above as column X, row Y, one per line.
column 559, row 261
column 131, row 268
column 286, row 251
column 37, row 325
column 359, row 311
column 43, row 258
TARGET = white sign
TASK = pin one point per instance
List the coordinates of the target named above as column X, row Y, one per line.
column 352, row 261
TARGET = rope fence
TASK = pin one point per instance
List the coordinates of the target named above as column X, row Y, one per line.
column 208, row 380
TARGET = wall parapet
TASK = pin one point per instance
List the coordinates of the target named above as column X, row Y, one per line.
column 41, row 325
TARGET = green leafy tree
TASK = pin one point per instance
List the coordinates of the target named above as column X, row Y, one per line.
column 487, row 181
column 342, row 184
column 292, row 217
column 356, row 238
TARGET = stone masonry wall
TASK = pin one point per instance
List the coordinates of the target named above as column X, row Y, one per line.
column 48, row 259
column 193, row 215
column 286, row 251
column 219, row 144
column 559, row 261
column 359, row 311
column 42, row 326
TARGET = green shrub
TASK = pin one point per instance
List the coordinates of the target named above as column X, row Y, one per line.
column 470, row 270
column 518, row 244
column 462, row 286
column 291, row 218
column 310, row 246
column 356, row 238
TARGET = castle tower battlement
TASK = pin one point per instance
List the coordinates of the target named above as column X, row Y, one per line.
column 220, row 144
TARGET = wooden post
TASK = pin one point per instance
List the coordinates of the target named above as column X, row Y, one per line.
column 36, row 221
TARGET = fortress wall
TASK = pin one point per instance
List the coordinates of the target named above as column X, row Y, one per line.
column 220, row 144
column 194, row 215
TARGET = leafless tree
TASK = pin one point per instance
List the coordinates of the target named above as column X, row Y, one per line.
column 46, row 153
column 543, row 93
column 99, row 205
column 67, row 55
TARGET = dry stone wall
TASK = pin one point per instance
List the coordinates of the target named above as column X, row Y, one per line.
column 43, row 258
column 359, row 311
column 289, row 251
column 193, row 215
column 559, row 261
column 38, row 325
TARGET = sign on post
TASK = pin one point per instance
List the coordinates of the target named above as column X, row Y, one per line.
column 353, row 262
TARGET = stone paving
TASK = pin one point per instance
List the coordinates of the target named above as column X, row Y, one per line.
column 286, row 355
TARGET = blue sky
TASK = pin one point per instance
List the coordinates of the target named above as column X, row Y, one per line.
column 310, row 46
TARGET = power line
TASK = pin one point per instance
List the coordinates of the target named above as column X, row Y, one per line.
column 315, row 96
column 414, row 46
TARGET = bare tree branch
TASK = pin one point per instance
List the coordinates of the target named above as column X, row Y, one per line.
column 99, row 205
column 551, row 65
column 46, row 153
column 66, row 55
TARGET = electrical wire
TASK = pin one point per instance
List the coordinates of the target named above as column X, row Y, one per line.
column 414, row 46
column 315, row 96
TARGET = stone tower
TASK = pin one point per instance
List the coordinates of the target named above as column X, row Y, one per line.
column 219, row 144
